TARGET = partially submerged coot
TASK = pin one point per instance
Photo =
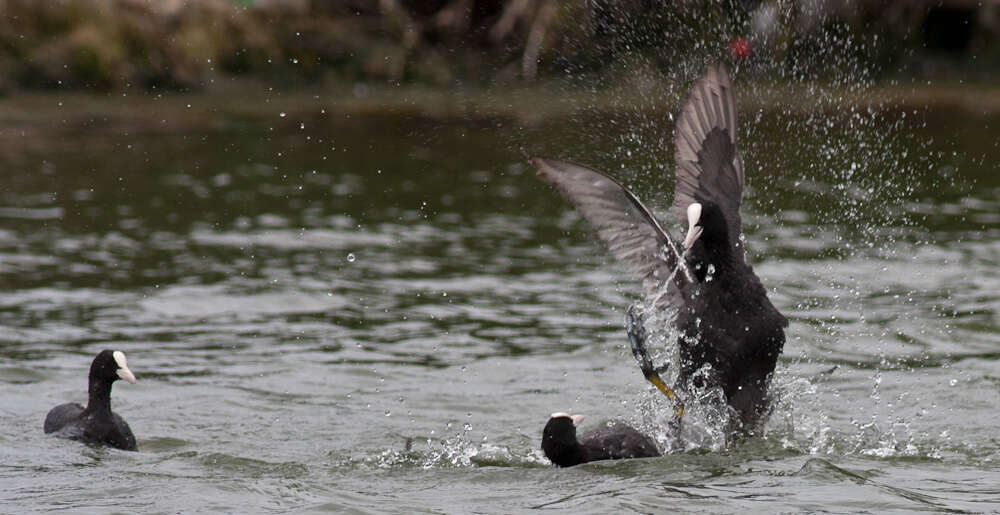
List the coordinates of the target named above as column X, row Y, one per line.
column 96, row 423
column 730, row 333
column 614, row 442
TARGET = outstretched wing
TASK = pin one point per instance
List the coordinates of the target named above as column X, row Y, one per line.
column 709, row 166
column 626, row 226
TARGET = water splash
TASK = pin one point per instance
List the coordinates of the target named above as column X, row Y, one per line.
column 453, row 452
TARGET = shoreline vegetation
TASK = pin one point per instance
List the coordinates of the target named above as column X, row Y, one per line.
column 198, row 45
column 136, row 66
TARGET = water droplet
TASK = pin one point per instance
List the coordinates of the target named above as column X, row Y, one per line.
column 350, row 257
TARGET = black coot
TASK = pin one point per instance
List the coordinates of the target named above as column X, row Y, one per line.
column 96, row 423
column 730, row 333
column 614, row 442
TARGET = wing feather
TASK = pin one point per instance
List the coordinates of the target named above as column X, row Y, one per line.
column 623, row 223
column 708, row 164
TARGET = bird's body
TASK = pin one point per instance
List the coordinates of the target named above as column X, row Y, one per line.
column 726, row 321
column 71, row 421
column 730, row 335
column 614, row 441
column 96, row 423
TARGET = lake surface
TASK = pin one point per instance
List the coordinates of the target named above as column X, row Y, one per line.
column 330, row 312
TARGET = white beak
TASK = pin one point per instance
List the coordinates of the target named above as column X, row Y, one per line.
column 694, row 230
column 123, row 371
column 126, row 374
column 577, row 420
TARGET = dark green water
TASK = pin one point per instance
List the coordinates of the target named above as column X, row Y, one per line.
column 299, row 295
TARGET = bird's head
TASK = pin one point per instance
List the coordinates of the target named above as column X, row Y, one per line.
column 111, row 366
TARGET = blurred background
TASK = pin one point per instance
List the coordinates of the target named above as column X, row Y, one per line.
column 112, row 45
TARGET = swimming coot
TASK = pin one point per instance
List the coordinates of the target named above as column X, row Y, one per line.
column 96, row 423
column 615, row 442
column 730, row 335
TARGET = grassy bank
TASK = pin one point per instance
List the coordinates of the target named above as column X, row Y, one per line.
column 38, row 118
column 185, row 45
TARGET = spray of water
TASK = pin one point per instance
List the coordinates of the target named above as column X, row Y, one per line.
column 845, row 163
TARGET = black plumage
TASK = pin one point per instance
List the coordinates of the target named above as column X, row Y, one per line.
column 613, row 442
column 730, row 333
column 96, row 423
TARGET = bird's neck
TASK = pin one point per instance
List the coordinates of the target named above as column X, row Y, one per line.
column 571, row 453
column 100, row 396
column 716, row 257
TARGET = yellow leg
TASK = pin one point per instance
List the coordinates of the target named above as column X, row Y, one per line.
column 637, row 339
